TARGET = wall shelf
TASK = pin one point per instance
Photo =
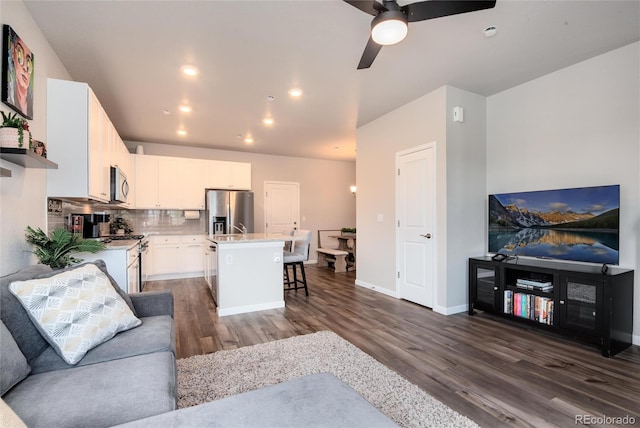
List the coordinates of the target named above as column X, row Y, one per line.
column 26, row 158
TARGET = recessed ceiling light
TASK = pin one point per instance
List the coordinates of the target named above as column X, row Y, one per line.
column 295, row 92
column 182, row 132
column 185, row 109
column 270, row 98
column 248, row 140
column 490, row 31
column 166, row 112
column 268, row 121
column 189, row 70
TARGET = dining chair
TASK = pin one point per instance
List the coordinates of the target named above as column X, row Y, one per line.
column 295, row 259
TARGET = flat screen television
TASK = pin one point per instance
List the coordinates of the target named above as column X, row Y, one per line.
column 580, row 224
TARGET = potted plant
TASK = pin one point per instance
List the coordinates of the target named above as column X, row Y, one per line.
column 12, row 131
column 120, row 226
column 348, row 231
column 55, row 249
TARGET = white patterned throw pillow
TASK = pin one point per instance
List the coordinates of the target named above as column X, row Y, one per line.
column 75, row 310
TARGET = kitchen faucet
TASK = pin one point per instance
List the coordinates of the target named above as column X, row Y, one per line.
column 243, row 230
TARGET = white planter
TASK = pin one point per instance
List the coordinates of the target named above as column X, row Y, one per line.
column 9, row 137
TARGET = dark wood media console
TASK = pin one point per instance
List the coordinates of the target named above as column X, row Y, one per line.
column 571, row 299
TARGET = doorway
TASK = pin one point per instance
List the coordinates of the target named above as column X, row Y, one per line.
column 415, row 214
column 281, row 206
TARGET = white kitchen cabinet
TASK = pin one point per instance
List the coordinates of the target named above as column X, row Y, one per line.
column 122, row 265
column 164, row 182
column 176, row 256
column 191, row 254
column 229, row 175
column 146, row 181
column 193, row 177
column 165, row 255
column 80, row 137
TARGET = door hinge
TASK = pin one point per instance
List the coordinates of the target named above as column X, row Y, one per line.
column 398, row 171
column 398, row 223
column 398, row 275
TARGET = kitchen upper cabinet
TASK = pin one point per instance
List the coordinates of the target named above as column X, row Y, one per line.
column 146, row 181
column 164, row 182
column 80, row 134
column 229, row 175
column 158, row 182
column 193, row 179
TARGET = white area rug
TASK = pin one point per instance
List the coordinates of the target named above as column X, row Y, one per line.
column 203, row 378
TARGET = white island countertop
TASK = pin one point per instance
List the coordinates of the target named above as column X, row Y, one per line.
column 238, row 238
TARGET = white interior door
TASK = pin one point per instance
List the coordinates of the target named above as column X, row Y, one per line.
column 415, row 208
column 281, row 206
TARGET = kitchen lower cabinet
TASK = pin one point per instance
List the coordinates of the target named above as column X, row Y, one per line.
column 122, row 265
column 176, row 256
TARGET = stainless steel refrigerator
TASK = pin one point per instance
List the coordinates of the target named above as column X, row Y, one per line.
column 229, row 211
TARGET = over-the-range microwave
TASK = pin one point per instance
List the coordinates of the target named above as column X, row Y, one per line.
column 119, row 185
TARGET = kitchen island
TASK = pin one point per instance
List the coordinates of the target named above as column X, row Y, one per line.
column 246, row 272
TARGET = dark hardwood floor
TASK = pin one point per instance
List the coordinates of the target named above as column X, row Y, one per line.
column 495, row 372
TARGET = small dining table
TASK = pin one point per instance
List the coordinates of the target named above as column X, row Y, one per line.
column 347, row 243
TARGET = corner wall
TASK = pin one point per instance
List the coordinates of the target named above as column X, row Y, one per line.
column 579, row 126
column 23, row 195
column 460, row 151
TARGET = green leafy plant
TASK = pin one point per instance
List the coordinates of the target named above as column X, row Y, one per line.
column 12, row 120
column 55, row 249
column 348, row 230
column 120, row 223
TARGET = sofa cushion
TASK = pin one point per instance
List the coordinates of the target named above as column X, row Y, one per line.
column 97, row 395
column 317, row 400
column 155, row 334
column 26, row 335
column 103, row 267
column 13, row 364
column 75, row 310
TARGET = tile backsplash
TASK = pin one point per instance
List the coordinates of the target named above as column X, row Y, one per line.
column 141, row 221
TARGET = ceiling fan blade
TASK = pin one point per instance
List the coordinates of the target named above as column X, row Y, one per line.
column 430, row 9
column 368, row 6
column 369, row 54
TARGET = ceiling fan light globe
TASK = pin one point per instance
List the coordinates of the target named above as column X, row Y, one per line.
column 389, row 28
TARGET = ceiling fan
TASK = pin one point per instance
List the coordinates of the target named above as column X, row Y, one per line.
column 389, row 25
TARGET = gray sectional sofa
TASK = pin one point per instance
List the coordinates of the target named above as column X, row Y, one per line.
column 130, row 379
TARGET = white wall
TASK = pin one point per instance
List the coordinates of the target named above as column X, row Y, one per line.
column 23, row 196
column 325, row 199
column 466, row 172
column 460, row 151
column 419, row 122
column 579, row 126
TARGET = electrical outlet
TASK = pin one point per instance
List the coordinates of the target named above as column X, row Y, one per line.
column 229, row 259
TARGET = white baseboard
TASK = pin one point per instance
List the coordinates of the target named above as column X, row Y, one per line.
column 450, row 311
column 175, row 276
column 250, row 308
column 373, row 287
column 635, row 339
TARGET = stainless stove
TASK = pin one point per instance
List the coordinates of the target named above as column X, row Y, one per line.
column 109, row 238
column 143, row 253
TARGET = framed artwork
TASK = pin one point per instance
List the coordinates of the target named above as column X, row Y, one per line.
column 17, row 73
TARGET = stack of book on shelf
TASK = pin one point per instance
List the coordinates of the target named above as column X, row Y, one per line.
column 534, row 284
column 523, row 305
